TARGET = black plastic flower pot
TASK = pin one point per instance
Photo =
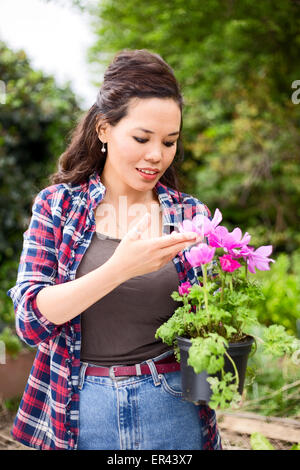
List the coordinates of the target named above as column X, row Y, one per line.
column 195, row 387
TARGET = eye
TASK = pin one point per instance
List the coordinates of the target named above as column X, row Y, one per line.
column 169, row 144
column 143, row 141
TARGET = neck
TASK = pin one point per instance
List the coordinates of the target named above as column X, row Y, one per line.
column 114, row 193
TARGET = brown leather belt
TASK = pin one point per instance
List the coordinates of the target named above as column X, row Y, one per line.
column 164, row 366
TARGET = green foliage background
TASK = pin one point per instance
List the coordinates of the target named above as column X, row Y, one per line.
column 35, row 117
column 236, row 62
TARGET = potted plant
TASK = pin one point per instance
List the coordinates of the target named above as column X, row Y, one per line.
column 211, row 331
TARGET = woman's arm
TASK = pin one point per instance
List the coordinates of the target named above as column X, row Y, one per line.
column 42, row 306
column 62, row 302
column 37, row 269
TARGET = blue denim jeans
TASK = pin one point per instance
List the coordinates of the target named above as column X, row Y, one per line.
column 142, row 412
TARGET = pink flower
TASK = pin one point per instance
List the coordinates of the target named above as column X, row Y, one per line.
column 184, row 288
column 242, row 252
column 201, row 224
column 228, row 263
column 201, row 254
column 188, row 226
column 224, row 239
column 258, row 258
column 205, row 225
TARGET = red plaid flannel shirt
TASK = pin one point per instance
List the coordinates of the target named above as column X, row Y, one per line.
column 59, row 233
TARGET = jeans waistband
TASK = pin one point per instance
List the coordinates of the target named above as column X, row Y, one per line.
column 150, row 362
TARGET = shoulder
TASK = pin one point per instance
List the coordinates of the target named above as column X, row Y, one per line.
column 58, row 193
column 56, row 199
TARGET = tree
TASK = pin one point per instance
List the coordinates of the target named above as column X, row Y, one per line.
column 35, row 117
column 236, row 62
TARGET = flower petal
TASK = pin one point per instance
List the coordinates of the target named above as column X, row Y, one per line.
column 217, row 218
column 187, row 226
column 264, row 250
column 251, row 266
column 246, row 239
column 237, row 234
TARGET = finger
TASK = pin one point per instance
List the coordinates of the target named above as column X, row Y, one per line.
column 171, row 252
column 175, row 238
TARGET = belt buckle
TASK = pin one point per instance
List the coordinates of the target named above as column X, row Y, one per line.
column 112, row 373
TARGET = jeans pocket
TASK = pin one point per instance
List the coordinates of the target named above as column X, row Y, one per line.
column 171, row 383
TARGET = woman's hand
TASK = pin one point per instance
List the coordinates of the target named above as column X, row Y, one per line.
column 138, row 256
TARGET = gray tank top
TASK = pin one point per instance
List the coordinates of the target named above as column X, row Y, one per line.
column 120, row 328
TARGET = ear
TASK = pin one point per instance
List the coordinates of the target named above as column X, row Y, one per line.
column 101, row 129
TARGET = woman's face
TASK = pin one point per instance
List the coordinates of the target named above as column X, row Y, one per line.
column 130, row 147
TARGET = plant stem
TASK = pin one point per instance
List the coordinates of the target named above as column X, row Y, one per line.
column 258, row 338
column 205, row 286
column 197, row 313
column 246, row 270
column 223, row 285
column 235, row 369
column 272, row 394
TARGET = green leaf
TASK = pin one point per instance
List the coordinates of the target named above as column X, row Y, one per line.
column 224, row 392
column 207, row 354
column 260, row 442
column 176, row 296
column 295, row 447
column 13, row 345
column 230, row 330
column 175, row 326
column 278, row 342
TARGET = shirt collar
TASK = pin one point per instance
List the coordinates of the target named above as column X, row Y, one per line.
column 95, row 190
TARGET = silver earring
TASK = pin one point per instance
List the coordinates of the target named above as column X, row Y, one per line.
column 103, row 148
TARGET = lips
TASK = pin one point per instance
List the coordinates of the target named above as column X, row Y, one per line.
column 149, row 169
column 147, row 176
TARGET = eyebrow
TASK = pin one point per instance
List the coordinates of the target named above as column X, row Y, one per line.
column 151, row 132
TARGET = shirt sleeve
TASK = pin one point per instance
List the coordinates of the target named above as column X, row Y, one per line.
column 37, row 269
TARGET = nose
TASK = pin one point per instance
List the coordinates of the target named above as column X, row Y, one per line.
column 154, row 154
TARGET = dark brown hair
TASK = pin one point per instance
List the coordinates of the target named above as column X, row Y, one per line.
column 132, row 73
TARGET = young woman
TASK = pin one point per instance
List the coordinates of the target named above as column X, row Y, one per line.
column 101, row 257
